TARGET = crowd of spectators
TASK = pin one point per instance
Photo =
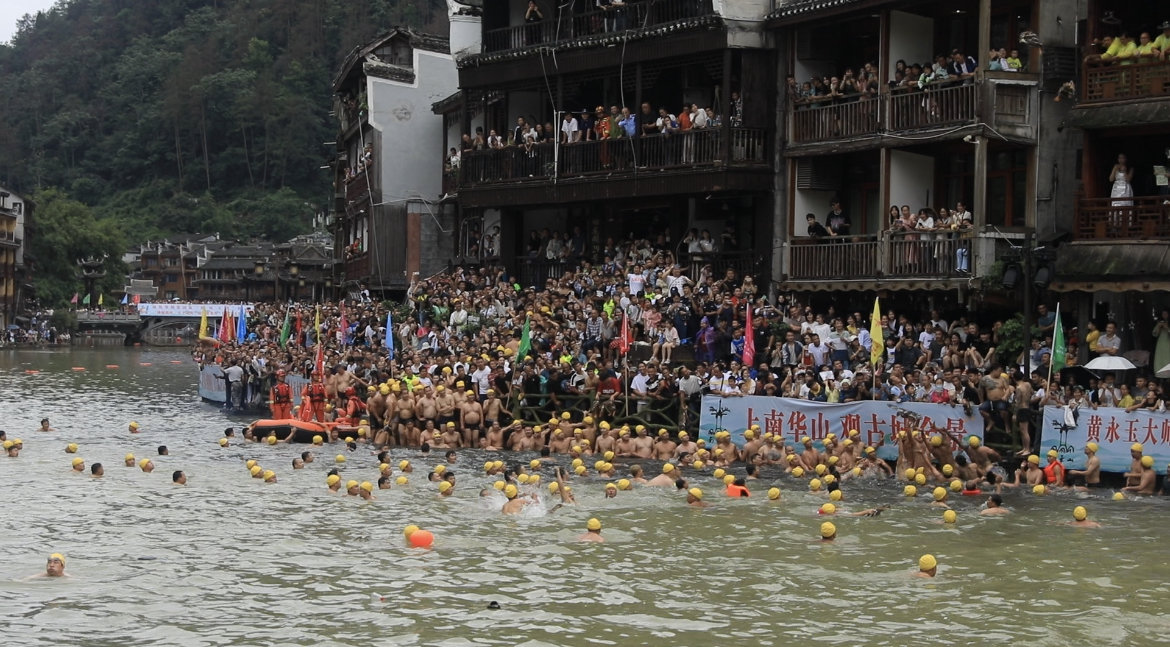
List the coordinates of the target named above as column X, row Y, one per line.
column 1123, row 49
column 463, row 332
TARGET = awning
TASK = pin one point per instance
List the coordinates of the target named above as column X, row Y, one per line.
column 1117, row 266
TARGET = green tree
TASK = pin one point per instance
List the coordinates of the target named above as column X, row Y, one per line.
column 63, row 231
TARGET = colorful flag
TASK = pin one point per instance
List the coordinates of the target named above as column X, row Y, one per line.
column 624, row 342
column 125, row 299
column 390, row 336
column 137, row 299
column 202, row 323
column 1059, row 347
column 877, row 352
column 242, row 325
column 224, row 326
column 749, row 340
column 286, row 328
column 525, row 340
column 85, row 301
column 74, row 299
column 101, row 299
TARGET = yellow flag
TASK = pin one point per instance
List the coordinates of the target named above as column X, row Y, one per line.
column 203, row 323
column 101, row 298
column 878, row 350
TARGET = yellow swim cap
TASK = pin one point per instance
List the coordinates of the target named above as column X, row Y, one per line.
column 134, row 425
column 143, row 462
column 814, row 485
column 317, row 440
column 403, row 464
column 828, row 508
column 719, row 473
column 340, row 458
column 59, row 557
column 947, row 470
column 828, row 530
column 554, row 487
column 950, row 516
column 1117, row 496
column 697, row 465
column 956, row 485
column 256, row 469
column 974, row 441
column 1033, row 459
column 349, row 485
column 774, row 493
column 522, row 478
column 834, row 459
column 410, row 530
column 535, row 464
column 821, row 469
column 444, row 486
column 939, row 493
column 1080, row 513
column 927, row 562
column 78, row 461
column 667, row 468
column 72, row 448
column 910, row 490
column 248, row 463
column 1136, row 447
column 791, row 458
column 268, row 474
column 910, row 473
column 835, row 495
column 805, row 439
column 331, row 479
column 510, row 491
column 1039, row 489
column 439, row 469
column 1052, row 453
column 1147, row 461
column 349, row 439
column 223, row 442
column 695, row 492
column 8, row 444
column 593, row 524
column 271, row 440
column 829, row 478
column 623, row 484
column 857, row 471
column 1091, row 446
column 402, row 480
column 487, row 466
column 728, row 479
column 798, row 471
column 611, row 486
column 936, row 440
column 608, row 456
column 920, row 479
column 579, row 470
column 383, row 467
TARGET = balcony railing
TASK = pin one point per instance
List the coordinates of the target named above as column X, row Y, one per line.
column 1145, row 218
column 693, row 149
column 357, row 189
column 1106, row 82
column 939, row 105
column 636, row 14
column 927, row 255
column 9, row 238
column 357, row 267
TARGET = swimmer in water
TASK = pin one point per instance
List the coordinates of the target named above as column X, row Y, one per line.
column 828, row 532
column 179, row 478
column 927, row 566
column 1146, row 477
column 593, row 532
column 695, row 498
column 298, row 463
column 307, row 457
column 45, row 425
column 96, row 470
column 146, row 465
column 1090, row 477
column 129, row 460
column 79, row 465
column 366, row 491
column 163, row 451
column 54, row 567
column 11, row 449
column 134, row 427
column 994, row 507
column 1081, row 518
column 666, row 478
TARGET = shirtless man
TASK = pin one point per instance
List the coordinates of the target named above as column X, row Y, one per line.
column 1145, row 479
column 1025, row 416
column 871, row 464
column 663, row 446
column 810, row 457
column 593, row 534
column 636, row 474
column 54, row 567
column 493, row 408
column 848, row 458
column 1029, row 473
column 994, row 408
column 426, row 409
column 1135, row 465
column 494, row 439
column 405, row 417
column 685, row 445
column 376, row 406
column 981, row 457
column 447, row 404
column 560, row 443
column 607, row 441
column 994, row 507
column 941, row 450
column 515, row 502
column 45, row 425
column 666, row 478
column 751, row 445
column 471, row 412
column 526, row 441
column 625, row 444
column 451, row 436
column 1081, row 518
column 695, row 498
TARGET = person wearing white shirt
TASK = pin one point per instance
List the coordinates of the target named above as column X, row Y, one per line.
column 637, row 281
column 570, row 134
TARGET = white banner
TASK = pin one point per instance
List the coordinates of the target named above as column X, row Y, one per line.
column 876, row 420
column 1112, row 429
column 213, row 388
column 214, row 310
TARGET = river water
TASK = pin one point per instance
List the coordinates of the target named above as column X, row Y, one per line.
column 228, row 560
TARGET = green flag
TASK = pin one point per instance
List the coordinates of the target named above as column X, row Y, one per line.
column 286, row 329
column 525, row 341
column 85, row 299
column 1059, row 348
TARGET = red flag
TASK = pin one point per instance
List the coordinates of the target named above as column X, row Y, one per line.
column 74, row 299
column 224, row 327
column 320, row 365
column 749, row 340
column 624, row 342
column 137, row 299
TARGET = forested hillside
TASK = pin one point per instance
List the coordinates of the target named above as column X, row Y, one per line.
column 170, row 116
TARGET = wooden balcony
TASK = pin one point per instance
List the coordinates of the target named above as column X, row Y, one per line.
column 686, row 151
column 1109, row 82
column 9, row 239
column 357, row 267
column 357, row 190
column 1138, row 218
column 939, row 106
column 925, row 256
column 637, row 15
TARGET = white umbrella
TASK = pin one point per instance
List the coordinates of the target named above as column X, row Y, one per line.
column 1163, row 372
column 1110, row 363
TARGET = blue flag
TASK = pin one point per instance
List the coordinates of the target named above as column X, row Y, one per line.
column 125, row 299
column 390, row 336
column 242, row 325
